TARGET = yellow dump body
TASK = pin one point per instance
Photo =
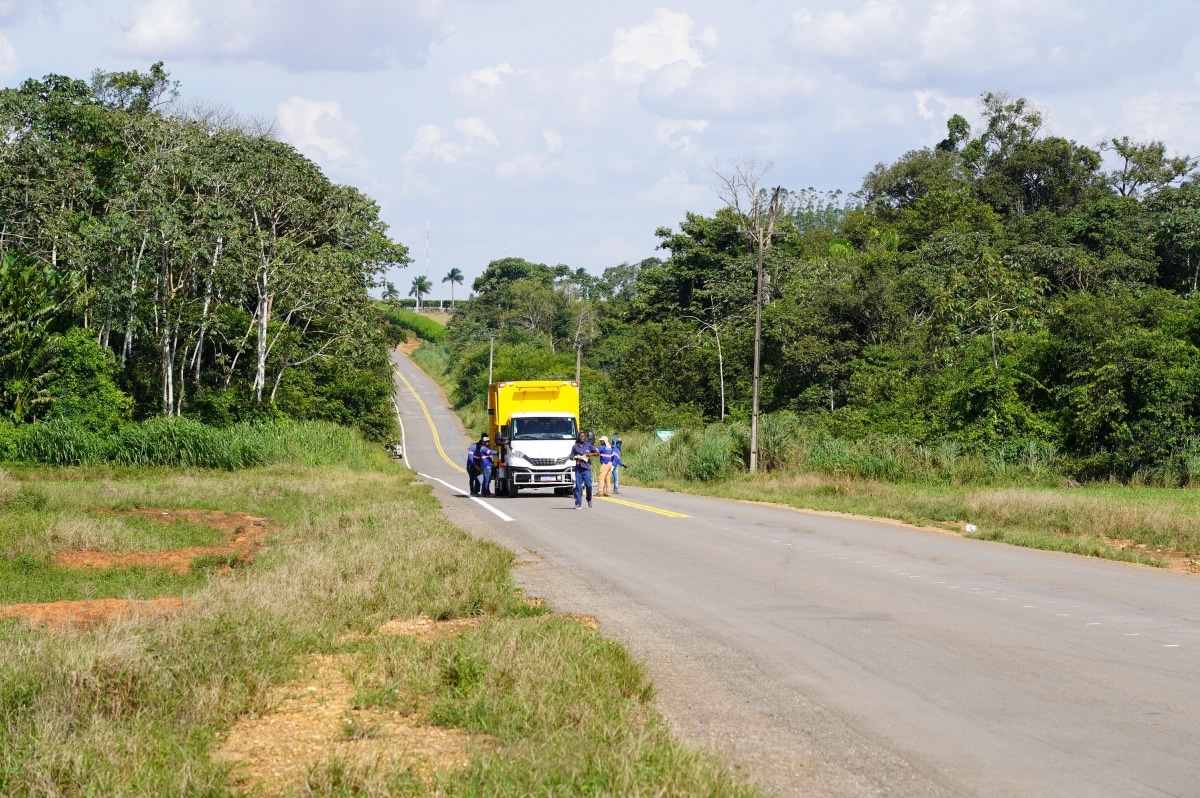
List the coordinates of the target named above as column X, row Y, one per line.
column 529, row 396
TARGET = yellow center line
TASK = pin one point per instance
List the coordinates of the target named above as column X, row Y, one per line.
column 646, row 507
column 436, row 440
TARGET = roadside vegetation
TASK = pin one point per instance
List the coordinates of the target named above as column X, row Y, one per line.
column 149, row 704
column 1001, row 329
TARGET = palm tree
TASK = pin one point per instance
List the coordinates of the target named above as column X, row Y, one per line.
column 390, row 292
column 420, row 287
column 455, row 275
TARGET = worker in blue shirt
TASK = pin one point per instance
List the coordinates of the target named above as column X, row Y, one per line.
column 483, row 462
column 617, row 463
column 472, row 471
column 607, row 453
column 581, row 453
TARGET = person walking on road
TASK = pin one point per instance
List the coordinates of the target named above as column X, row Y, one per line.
column 606, row 466
column 483, row 462
column 581, row 453
column 472, row 471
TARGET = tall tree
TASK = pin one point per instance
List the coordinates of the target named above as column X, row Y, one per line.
column 454, row 277
column 420, row 288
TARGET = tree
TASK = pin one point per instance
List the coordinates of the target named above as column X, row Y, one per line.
column 739, row 189
column 420, row 287
column 1144, row 167
column 389, row 292
column 454, row 277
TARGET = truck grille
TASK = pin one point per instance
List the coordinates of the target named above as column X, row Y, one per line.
column 547, row 461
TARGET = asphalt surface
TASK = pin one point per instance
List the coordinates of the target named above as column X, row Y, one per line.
column 834, row 656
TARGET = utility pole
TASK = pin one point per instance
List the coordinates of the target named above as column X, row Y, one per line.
column 426, row 249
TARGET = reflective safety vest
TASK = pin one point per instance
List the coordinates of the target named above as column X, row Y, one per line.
column 482, row 453
column 607, row 454
column 471, row 456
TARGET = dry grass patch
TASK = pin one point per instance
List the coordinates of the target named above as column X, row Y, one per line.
column 313, row 724
column 244, row 534
column 1150, row 526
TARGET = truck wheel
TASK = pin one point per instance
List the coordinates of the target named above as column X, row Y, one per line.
column 512, row 489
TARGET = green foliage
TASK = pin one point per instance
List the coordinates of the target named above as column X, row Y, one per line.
column 84, row 389
column 182, row 442
column 217, row 271
column 426, row 328
column 995, row 295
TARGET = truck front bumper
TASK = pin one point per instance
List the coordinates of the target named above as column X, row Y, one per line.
column 527, row 478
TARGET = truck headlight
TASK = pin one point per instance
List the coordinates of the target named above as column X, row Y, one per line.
column 515, row 453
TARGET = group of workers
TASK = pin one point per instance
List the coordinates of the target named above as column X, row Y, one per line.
column 479, row 466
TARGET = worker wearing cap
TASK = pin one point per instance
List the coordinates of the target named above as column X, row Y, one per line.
column 607, row 453
column 483, row 462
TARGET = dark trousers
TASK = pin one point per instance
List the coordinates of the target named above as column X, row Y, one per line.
column 583, row 479
column 473, row 475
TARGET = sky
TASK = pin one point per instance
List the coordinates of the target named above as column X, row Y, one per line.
column 568, row 132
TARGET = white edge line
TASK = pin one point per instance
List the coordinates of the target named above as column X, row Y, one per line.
column 480, row 502
column 403, row 434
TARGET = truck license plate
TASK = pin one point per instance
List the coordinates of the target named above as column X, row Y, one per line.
column 545, row 477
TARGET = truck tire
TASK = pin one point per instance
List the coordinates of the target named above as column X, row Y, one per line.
column 512, row 489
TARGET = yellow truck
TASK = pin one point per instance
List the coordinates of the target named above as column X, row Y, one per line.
column 533, row 423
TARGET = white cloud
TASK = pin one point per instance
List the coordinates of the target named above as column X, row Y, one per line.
column 8, row 57
column 1172, row 117
column 474, row 128
column 299, row 35
column 956, row 43
column 319, row 130
column 676, row 134
column 481, row 81
column 531, row 164
column 673, row 191
column 640, row 51
column 432, row 142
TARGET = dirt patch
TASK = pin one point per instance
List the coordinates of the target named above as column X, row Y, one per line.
column 244, row 538
column 409, row 346
column 1172, row 559
column 424, row 628
column 313, row 721
column 81, row 613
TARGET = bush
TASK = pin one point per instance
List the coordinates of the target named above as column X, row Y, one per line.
column 185, row 443
column 424, row 327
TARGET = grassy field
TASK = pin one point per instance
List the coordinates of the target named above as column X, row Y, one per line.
column 1153, row 526
column 143, row 705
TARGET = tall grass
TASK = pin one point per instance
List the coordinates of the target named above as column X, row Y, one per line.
column 425, row 327
column 786, row 445
column 132, row 708
column 185, row 443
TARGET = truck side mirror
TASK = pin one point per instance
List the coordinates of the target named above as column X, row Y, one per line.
column 502, row 436
column 591, row 438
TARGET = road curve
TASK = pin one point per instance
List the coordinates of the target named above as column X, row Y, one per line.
column 842, row 657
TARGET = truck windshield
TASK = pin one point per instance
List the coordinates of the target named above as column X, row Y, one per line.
column 543, row 429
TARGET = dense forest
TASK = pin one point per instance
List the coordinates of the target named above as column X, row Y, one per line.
column 161, row 258
column 1002, row 290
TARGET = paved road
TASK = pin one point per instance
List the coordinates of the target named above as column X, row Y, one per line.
column 834, row 656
